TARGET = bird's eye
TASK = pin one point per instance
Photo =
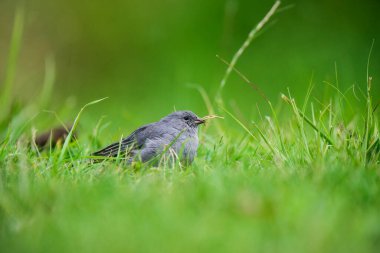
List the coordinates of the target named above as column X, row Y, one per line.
column 186, row 118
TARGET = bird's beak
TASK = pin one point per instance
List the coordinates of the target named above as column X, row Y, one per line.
column 199, row 121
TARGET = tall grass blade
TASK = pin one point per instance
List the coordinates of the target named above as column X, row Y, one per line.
column 368, row 120
column 5, row 98
column 309, row 121
column 48, row 81
column 239, row 122
column 75, row 124
column 245, row 45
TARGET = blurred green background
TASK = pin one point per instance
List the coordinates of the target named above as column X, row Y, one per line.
column 146, row 54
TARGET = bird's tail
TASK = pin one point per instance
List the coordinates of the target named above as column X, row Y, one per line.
column 110, row 151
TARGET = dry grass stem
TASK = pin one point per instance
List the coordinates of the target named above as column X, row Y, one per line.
column 247, row 42
column 207, row 117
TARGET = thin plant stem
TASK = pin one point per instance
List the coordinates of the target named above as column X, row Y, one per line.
column 246, row 44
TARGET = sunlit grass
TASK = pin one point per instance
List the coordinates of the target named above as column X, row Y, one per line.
column 245, row 192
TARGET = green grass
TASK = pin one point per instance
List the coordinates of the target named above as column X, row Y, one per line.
column 305, row 178
column 248, row 190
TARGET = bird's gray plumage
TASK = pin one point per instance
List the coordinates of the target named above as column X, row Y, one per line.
column 177, row 132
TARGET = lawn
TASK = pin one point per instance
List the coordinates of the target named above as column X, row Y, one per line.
column 274, row 186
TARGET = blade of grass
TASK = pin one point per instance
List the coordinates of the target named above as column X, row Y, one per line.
column 249, row 132
column 264, row 138
column 239, row 122
column 277, row 124
column 48, row 81
column 308, row 93
column 368, row 120
column 300, row 125
column 245, row 79
column 309, row 122
column 5, row 99
column 340, row 93
column 75, row 124
column 262, row 94
column 245, row 45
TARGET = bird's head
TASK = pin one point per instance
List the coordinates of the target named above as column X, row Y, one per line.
column 184, row 118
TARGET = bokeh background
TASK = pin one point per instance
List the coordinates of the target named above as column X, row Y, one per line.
column 146, row 55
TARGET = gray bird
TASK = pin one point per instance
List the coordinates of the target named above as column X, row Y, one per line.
column 176, row 132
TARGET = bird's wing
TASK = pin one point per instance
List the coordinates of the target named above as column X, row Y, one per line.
column 134, row 141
